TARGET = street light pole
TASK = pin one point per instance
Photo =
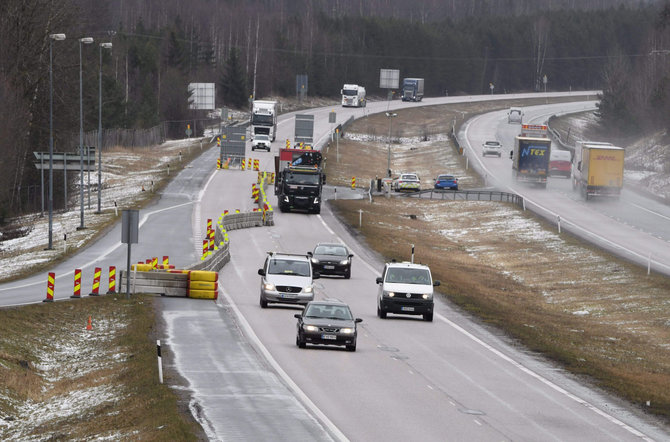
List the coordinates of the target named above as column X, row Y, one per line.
column 84, row 40
column 390, row 116
column 105, row 46
column 52, row 37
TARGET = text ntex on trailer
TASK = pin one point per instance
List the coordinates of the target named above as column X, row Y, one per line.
column 264, row 118
column 530, row 157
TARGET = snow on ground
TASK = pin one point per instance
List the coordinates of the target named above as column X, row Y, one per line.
column 124, row 174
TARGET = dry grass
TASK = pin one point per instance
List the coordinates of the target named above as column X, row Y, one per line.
column 592, row 313
column 61, row 381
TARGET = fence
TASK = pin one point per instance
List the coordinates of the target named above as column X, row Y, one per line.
column 468, row 195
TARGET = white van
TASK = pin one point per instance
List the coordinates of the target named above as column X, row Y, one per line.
column 515, row 115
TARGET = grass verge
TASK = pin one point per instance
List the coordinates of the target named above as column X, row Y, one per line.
column 61, row 381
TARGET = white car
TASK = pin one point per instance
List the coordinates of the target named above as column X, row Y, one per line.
column 261, row 141
column 407, row 181
column 492, row 148
column 406, row 288
column 287, row 279
column 515, row 115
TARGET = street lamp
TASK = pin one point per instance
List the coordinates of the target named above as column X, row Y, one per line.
column 52, row 37
column 84, row 40
column 390, row 116
column 102, row 46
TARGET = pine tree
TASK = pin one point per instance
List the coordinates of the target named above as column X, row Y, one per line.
column 233, row 84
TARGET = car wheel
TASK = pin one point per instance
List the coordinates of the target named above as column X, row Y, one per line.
column 299, row 342
column 351, row 347
column 347, row 274
column 263, row 302
column 381, row 313
column 428, row 317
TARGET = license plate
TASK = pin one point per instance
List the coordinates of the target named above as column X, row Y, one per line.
column 331, row 337
column 407, row 309
column 329, row 267
column 286, row 295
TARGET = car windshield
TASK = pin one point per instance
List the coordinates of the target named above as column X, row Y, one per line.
column 328, row 311
column 408, row 276
column 445, row 178
column 409, row 177
column 330, row 250
column 303, row 178
column 492, row 143
column 288, row 267
column 262, row 137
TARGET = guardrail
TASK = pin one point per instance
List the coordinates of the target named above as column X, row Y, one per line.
column 468, row 195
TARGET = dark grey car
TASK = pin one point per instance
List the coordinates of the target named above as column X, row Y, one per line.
column 326, row 323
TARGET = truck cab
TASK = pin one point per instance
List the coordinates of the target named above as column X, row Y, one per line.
column 353, row 95
column 299, row 180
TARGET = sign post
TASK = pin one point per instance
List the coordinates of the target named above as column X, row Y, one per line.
column 130, row 226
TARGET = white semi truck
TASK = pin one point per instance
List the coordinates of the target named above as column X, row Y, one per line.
column 353, row 95
column 264, row 118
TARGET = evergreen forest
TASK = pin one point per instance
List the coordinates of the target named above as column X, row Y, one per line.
column 256, row 48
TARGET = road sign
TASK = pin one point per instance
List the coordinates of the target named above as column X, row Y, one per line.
column 332, row 117
column 61, row 160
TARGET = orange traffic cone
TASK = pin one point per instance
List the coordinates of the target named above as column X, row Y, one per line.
column 89, row 326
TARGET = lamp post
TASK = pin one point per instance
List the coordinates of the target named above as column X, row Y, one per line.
column 52, row 37
column 83, row 40
column 390, row 116
column 102, row 46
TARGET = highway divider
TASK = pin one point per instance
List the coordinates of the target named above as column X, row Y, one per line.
column 200, row 280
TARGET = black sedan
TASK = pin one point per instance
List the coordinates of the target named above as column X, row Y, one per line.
column 327, row 323
column 331, row 259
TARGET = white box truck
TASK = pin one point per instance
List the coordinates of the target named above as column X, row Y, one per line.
column 264, row 118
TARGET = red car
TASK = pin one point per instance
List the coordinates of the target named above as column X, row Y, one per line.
column 560, row 163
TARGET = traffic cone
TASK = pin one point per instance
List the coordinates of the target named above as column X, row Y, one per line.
column 89, row 326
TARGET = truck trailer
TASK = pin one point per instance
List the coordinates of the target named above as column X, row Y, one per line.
column 353, row 95
column 264, row 118
column 530, row 157
column 597, row 169
column 412, row 89
column 299, row 180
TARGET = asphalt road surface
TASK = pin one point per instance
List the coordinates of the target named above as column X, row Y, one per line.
column 408, row 380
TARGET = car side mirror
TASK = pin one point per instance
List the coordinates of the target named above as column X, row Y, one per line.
column 436, row 283
column 379, row 280
column 297, row 316
column 351, row 255
column 511, row 154
column 323, row 179
column 261, row 272
column 316, row 275
column 310, row 254
column 358, row 320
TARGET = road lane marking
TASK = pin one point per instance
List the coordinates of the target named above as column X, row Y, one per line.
column 300, row 395
column 543, row 380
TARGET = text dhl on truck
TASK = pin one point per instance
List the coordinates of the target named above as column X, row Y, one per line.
column 530, row 157
column 597, row 169
column 299, row 180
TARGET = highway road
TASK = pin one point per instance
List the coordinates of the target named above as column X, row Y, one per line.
column 451, row 379
column 634, row 227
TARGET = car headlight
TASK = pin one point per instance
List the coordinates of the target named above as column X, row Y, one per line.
column 308, row 289
column 310, row 328
column 286, row 198
column 347, row 331
column 427, row 296
column 269, row 287
column 344, row 262
column 315, row 261
column 389, row 294
column 316, row 200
